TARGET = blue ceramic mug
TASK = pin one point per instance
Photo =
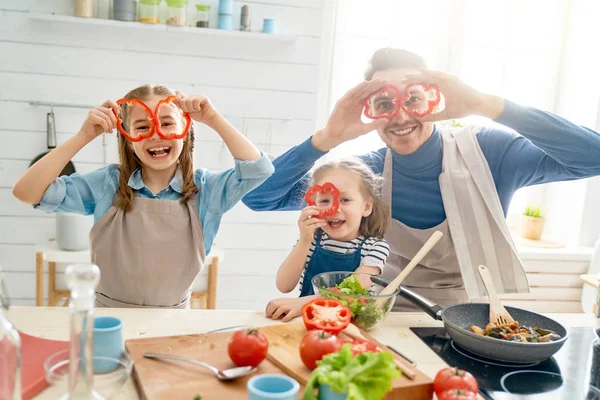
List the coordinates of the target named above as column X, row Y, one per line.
column 108, row 342
column 272, row 386
column 269, row 26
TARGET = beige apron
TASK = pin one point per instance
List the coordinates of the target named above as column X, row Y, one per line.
column 475, row 231
column 149, row 256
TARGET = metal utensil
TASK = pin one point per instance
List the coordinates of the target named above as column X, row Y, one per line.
column 230, row 328
column 224, row 375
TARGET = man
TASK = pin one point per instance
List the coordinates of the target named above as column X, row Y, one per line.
column 457, row 181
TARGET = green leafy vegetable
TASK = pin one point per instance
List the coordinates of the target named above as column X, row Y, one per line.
column 197, row 397
column 365, row 311
column 367, row 376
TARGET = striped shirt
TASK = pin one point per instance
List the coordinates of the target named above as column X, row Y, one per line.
column 374, row 251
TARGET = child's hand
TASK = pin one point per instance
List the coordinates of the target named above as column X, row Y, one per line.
column 308, row 225
column 100, row 119
column 198, row 107
column 286, row 308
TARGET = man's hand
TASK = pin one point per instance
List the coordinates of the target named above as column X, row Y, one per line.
column 345, row 122
column 461, row 100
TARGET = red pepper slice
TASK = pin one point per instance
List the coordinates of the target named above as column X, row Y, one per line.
column 363, row 346
column 432, row 96
column 328, row 315
column 186, row 116
column 327, row 188
column 120, row 121
column 154, row 119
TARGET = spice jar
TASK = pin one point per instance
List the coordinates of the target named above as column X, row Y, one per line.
column 149, row 11
column 177, row 10
column 83, row 8
column 202, row 15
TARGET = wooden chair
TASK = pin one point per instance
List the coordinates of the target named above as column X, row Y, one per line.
column 52, row 255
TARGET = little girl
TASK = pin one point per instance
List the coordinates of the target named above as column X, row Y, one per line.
column 155, row 217
column 350, row 240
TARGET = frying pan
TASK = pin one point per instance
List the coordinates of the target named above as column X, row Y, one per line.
column 51, row 144
column 458, row 318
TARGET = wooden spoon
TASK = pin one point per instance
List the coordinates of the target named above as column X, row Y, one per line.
column 498, row 314
column 391, row 288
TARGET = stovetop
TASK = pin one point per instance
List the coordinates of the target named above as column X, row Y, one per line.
column 573, row 373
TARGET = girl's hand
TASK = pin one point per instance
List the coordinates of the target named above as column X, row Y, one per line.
column 199, row 108
column 100, row 119
column 285, row 309
column 308, row 225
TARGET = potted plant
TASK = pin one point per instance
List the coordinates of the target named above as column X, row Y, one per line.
column 533, row 222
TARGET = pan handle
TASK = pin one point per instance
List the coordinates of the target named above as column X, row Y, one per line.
column 434, row 310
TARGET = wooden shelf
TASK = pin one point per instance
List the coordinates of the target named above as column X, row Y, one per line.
column 109, row 23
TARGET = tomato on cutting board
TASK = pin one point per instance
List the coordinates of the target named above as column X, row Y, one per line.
column 328, row 315
column 454, row 378
column 457, row 394
column 248, row 347
column 316, row 344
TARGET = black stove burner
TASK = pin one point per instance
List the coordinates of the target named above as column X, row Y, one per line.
column 572, row 374
column 476, row 357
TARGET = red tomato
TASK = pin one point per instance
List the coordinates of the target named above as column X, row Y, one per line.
column 328, row 315
column 457, row 394
column 454, row 378
column 363, row 346
column 248, row 348
column 315, row 344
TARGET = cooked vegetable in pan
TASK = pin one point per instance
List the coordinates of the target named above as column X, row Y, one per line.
column 515, row 333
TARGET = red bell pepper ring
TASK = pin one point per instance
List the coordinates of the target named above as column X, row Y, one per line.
column 328, row 315
column 172, row 136
column 327, row 188
column 399, row 101
column 430, row 90
column 154, row 120
column 141, row 136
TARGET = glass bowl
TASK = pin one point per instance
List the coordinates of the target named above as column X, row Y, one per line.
column 110, row 374
column 368, row 310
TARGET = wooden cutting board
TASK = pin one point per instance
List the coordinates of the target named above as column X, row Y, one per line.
column 160, row 379
column 283, row 352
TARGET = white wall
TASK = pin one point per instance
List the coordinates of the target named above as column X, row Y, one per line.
column 277, row 83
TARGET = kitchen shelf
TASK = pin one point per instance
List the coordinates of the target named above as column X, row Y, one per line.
column 109, row 23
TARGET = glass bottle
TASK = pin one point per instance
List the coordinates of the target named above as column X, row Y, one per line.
column 82, row 280
column 10, row 352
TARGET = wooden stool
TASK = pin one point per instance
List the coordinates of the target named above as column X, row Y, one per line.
column 52, row 254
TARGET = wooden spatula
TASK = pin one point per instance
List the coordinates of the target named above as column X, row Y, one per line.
column 498, row 314
column 391, row 288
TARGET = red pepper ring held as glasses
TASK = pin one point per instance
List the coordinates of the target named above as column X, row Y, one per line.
column 142, row 136
column 431, row 103
column 186, row 116
column 369, row 112
column 328, row 315
column 327, row 188
column 400, row 99
column 153, row 117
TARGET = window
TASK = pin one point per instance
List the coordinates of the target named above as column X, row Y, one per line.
column 529, row 51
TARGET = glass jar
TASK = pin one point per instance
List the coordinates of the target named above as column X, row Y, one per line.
column 149, row 11
column 177, row 12
column 202, row 14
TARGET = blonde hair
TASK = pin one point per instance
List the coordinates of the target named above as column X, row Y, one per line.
column 375, row 224
column 129, row 161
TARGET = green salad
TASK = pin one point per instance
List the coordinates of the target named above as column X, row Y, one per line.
column 367, row 376
column 365, row 312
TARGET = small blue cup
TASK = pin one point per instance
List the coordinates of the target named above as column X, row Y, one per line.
column 269, row 26
column 108, row 342
column 325, row 393
column 272, row 386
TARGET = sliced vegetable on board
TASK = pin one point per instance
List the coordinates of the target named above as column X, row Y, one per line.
column 328, row 315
